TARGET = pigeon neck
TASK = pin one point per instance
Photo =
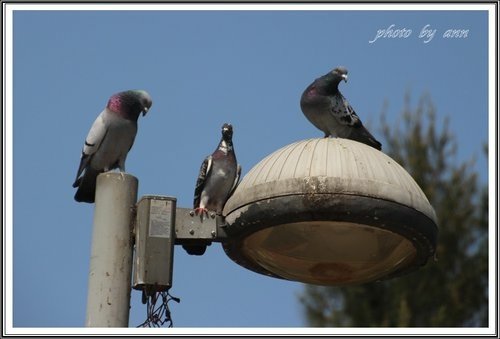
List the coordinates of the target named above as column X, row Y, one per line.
column 124, row 107
column 333, row 87
column 225, row 146
column 331, row 83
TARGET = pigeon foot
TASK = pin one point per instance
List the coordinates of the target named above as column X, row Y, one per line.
column 201, row 210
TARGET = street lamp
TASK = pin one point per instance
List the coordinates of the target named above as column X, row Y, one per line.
column 326, row 211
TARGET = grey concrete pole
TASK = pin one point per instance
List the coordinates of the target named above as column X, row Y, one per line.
column 108, row 299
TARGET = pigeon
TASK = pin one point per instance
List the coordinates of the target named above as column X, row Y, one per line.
column 218, row 178
column 327, row 109
column 109, row 140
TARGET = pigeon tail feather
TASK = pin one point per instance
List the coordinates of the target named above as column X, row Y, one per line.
column 195, row 249
column 86, row 186
column 362, row 135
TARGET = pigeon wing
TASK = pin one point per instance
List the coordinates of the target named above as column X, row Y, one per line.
column 236, row 181
column 96, row 135
column 345, row 115
column 205, row 168
column 343, row 111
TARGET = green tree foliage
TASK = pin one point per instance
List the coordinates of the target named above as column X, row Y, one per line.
column 450, row 290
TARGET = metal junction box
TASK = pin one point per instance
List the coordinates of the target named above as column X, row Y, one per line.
column 154, row 243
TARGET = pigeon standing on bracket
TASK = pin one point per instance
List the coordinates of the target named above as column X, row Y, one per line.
column 327, row 109
column 218, row 178
column 109, row 140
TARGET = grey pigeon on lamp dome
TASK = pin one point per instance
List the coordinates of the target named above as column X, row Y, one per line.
column 327, row 109
column 109, row 140
column 218, row 178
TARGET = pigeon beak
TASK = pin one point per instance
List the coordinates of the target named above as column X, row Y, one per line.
column 344, row 77
column 144, row 111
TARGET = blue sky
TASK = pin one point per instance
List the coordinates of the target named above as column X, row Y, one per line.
column 204, row 68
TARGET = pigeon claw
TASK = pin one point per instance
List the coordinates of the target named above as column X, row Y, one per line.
column 201, row 211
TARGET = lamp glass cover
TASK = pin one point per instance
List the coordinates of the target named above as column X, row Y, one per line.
column 329, row 253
